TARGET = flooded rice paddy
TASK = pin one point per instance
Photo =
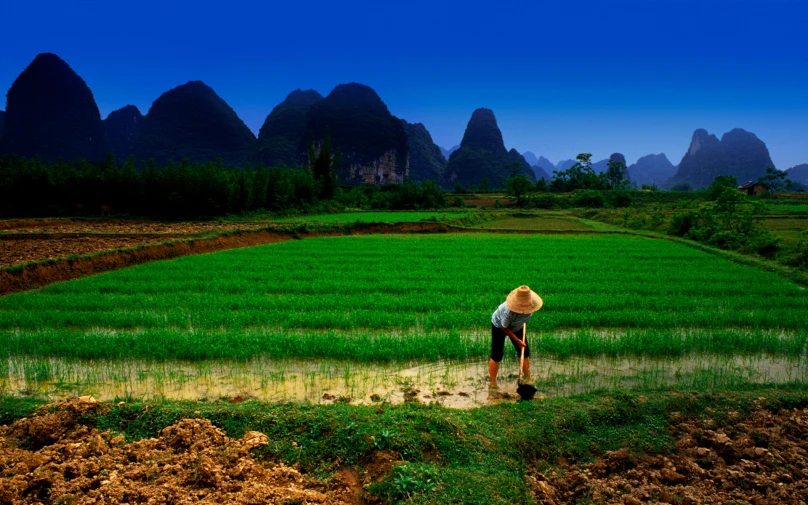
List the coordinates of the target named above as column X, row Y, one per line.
column 461, row 384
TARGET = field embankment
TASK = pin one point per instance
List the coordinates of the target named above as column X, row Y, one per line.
column 681, row 448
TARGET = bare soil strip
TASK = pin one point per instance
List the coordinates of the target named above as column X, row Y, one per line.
column 118, row 226
column 20, row 248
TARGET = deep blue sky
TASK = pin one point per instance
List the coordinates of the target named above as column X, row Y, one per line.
column 562, row 77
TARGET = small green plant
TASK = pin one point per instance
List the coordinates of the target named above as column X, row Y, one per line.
column 406, row 481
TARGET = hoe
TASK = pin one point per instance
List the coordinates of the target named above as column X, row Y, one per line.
column 525, row 391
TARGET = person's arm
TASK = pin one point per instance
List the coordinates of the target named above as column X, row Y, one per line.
column 513, row 337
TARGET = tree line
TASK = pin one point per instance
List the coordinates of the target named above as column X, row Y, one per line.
column 31, row 187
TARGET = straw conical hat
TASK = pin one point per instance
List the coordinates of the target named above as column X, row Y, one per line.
column 523, row 301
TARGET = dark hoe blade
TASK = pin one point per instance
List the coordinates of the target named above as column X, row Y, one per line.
column 526, row 391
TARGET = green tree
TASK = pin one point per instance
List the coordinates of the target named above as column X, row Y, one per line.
column 585, row 159
column 776, row 180
column 579, row 176
column 616, row 174
column 324, row 168
column 721, row 183
column 518, row 186
column 726, row 207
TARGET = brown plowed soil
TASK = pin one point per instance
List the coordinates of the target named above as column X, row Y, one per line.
column 27, row 240
column 48, row 225
column 51, row 458
column 19, row 249
column 762, row 459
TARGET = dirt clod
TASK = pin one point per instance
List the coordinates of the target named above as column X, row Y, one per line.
column 52, row 458
column 708, row 466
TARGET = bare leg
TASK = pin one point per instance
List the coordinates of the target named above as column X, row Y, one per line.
column 493, row 370
column 526, row 367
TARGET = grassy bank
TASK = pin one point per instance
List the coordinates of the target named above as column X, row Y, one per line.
column 450, row 456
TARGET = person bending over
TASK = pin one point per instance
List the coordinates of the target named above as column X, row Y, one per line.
column 509, row 321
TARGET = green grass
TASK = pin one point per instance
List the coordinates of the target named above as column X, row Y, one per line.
column 789, row 207
column 380, row 298
column 537, row 223
column 377, row 217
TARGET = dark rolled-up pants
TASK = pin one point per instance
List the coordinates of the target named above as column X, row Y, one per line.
column 498, row 337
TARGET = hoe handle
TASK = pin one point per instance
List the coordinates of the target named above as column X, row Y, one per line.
column 522, row 351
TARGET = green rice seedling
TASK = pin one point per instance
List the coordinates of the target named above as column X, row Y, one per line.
column 376, row 217
column 398, row 298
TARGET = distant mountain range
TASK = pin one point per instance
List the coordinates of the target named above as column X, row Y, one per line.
column 51, row 113
column 192, row 121
column 739, row 153
column 653, row 170
column 122, row 128
column 284, row 131
column 371, row 141
column 426, row 159
column 448, row 152
column 482, row 154
column 542, row 167
column 798, row 173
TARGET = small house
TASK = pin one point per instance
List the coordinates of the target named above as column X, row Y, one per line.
column 753, row 188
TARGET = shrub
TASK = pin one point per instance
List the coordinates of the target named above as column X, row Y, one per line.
column 588, row 198
column 548, row 201
column 620, row 199
column 726, row 240
column 764, row 244
column 800, row 258
column 682, row 186
column 682, row 223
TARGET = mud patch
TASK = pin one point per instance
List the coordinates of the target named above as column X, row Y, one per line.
column 762, row 459
column 459, row 384
column 192, row 461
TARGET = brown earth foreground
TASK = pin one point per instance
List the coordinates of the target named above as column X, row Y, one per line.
column 51, row 458
column 761, row 459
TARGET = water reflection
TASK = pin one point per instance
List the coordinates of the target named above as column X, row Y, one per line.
column 455, row 384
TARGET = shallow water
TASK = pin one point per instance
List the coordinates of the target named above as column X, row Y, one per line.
column 454, row 384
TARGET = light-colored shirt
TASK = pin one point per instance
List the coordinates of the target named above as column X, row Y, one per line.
column 504, row 317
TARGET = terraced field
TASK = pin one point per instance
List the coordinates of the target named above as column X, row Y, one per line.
column 404, row 298
column 669, row 345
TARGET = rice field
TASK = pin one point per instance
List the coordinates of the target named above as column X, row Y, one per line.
column 403, row 301
column 376, row 217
